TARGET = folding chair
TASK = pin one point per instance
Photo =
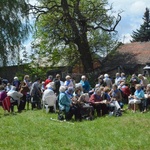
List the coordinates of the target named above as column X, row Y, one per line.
column 48, row 102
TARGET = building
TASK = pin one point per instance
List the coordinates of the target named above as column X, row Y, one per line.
column 129, row 58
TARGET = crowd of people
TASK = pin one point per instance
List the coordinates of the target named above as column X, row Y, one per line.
column 77, row 99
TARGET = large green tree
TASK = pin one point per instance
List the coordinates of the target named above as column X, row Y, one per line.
column 14, row 29
column 143, row 34
column 73, row 29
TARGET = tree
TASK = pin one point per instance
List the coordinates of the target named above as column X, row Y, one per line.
column 14, row 28
column 65, row 28
column 143, row 34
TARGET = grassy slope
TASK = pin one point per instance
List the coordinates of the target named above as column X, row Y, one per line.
column 33, row 130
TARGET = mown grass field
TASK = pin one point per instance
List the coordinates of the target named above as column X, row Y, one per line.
column 33, row 130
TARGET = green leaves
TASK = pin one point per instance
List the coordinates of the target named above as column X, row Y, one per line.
column 74, row 28
column 14, row 28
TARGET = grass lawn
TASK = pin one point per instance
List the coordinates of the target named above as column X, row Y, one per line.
column 33, row 130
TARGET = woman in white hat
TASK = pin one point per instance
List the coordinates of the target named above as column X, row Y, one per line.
column 68, row 83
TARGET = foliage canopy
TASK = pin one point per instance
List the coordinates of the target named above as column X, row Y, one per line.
column 14, row 28
column 74, row 30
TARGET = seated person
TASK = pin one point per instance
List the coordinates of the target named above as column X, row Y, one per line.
column 3, row 93
column 69, row 92
column 84, row 106
column 105, row 98
column 125, row 91
column 49, row 95
column 5, row 103
column 113, row 105
column 115, row 94
column 138, row 98
column 96, row 101
column 65, row 104
column 78, row 91
column 147, row 97
column 15, row 98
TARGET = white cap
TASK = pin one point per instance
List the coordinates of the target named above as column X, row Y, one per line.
column 106, row 75
column 68, row 77
column 15, row 78
column 83, row 77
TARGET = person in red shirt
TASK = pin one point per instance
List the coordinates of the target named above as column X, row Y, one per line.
column 96, row 101
column 125, row 92
column 48, row 80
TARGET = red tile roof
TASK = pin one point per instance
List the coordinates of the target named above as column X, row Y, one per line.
column 140, row 51
column 127, row 56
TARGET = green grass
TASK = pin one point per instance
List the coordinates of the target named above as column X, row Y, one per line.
column 33, row 130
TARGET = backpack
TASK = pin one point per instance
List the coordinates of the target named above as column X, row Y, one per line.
column 61, row 117
column 118, row 113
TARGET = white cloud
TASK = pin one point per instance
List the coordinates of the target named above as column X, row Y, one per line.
column 133, row 11
column 137, row 8
column 33, row 2
column 126, row 38
column 131, row 17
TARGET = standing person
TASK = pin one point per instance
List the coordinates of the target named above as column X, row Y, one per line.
column 57, row 84
column 24, row 89
column 0, row 80
column 42, row 86
column 48, row 80
column 143, row 81
column 133, row 81
column 74, row 82
column 123, row 77
column 107, row 81
column 85, row 84
column 35, row 93
column 117, row 79
column 8, row 87
column 16, row 83
column 100, row 81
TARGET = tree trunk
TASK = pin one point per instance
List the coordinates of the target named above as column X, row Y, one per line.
column 85, row 55
column 80, row 38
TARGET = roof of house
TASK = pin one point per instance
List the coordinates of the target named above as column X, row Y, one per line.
column 128, row 55
column 140, row 51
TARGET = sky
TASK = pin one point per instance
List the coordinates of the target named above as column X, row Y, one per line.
column 133, row 11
